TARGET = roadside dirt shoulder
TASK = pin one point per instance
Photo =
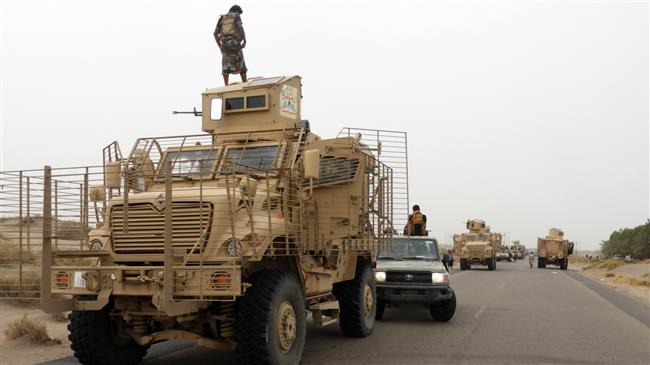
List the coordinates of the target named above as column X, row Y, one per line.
column 20, row 351
column 630, row 279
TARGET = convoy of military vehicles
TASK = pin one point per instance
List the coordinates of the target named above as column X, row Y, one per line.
column 230, row 237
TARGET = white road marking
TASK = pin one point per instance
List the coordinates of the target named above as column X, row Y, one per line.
column 553, row 272
column 502, row 286
column 480, row 311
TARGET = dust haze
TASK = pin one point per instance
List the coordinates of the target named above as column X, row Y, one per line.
column 528, row 114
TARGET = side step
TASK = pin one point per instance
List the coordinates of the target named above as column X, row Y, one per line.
column 328, row 309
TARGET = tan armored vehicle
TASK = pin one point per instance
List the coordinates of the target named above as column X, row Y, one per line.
column 227, row 238
column 518, row 250
column 478, row 246
column 554, row 249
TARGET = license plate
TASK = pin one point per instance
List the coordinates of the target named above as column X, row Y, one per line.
column 79, row 281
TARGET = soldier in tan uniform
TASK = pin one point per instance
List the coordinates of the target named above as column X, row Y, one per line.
column 231, row 39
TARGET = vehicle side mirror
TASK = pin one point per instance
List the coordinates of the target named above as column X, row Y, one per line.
column 113, row 174
column 97, row 193
column 311, row 164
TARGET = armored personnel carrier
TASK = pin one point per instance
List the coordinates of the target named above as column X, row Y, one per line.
column 478, row 246
column 410, row 272
column 554, row 249
column 518, row 250
column 226, row 238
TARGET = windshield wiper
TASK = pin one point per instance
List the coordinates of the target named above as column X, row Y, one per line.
column 390, row 258
column 418, row 258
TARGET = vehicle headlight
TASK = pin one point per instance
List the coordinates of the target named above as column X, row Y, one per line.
column 438, row 277
column 233, row 247
column 96, row 245
column 380, row 276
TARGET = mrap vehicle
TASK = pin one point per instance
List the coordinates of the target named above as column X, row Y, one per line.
column 478, row 246
column 225, row 238
column 554, row 249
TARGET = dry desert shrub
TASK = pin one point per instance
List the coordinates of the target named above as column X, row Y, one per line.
column 611, row 264
column 69, row 230
column 10, row 253
column 631, row 281
column 34, row 331
column 609, row 275
column 10, row 286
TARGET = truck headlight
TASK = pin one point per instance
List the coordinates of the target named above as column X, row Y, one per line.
column 96, row 245
column 233, row 247
column 380, row 276
column 438, row 277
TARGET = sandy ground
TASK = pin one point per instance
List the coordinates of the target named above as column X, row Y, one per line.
column 20, row 351
column 637, row 271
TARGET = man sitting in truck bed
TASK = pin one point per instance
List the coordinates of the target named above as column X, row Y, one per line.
column 417, row 223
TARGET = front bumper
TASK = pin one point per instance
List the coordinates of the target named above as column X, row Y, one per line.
column 186, row 282
column 413, row 294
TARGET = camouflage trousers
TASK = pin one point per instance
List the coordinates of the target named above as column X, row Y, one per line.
column 232, row 57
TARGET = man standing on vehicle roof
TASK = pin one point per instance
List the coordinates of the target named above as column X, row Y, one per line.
column 417, row 223
column 231, row 39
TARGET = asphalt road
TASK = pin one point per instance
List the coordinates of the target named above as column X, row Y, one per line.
column 514, row 315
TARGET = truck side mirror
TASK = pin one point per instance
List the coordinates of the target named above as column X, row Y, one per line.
column 113, row 174
column 311, row 164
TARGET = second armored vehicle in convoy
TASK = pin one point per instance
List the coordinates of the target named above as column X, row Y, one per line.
column 554, row 249
column 226, row 238
column 409, row 272
column 518, row 250
column 478, row 246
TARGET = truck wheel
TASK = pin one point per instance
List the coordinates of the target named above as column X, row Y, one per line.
column 381, row 306
column 357, row 302
column 463, row 264
column 565, row 264
column 540, row 265
column 443, row 311
column 271, row 320
column 491, row 263
column 95, row 340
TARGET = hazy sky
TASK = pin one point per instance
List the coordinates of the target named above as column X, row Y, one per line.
column 529, row 114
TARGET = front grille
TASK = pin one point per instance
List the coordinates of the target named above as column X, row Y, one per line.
column 146, row 227
column 404, row 276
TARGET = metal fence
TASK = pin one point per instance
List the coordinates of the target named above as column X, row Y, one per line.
column 21, row 222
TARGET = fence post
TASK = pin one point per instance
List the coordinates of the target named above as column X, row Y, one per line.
column 20, row 233
column 29, row 217
column 46, row 280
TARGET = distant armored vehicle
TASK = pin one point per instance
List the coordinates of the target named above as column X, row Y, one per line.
column 518, row 250
column 227, row 238
column 478, row 246
column 504, row 255
column 410, row 272
column 554, row 249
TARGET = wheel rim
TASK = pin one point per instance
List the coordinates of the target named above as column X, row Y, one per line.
column 287, row 327
column 368, row 300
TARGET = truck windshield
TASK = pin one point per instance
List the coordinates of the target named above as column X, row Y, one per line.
column 411, row 249
column 251, row 160
column 191, row 163
column 477, row 237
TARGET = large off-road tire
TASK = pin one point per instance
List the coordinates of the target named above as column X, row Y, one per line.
column 565, row 264
column 540, row 263
column 381, row 307
column 463, row 264
column 270, row 327
column 443, row 311
column 491, row 263
column 95, row 340
column 357, row 302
